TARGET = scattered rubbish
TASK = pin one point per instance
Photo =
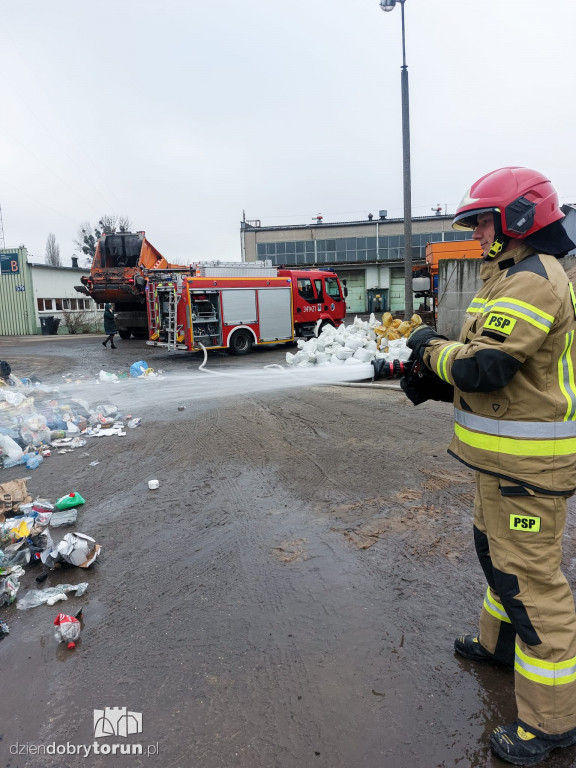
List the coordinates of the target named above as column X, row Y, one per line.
column 181, row 407
column 108, row 431
column 64, row 517
column 34, row 419
column 153, row 484
column 15, row 528
column 70, row 500
column 133, row 423
column 9, row 586
column 4, row 629
column 139, row 368
column 93, row 463
column 12, row 496
column 50, row 596
column 67, row 629
column 75, row 548
column 34, row 460
column 107, row 377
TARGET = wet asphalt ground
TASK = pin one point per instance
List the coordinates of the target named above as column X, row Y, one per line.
column 288, row 597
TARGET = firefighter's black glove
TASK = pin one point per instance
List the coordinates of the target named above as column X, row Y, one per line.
column 420, row 384
column 419, row 340
column 393, row 370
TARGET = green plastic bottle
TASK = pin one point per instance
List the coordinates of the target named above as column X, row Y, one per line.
column 70, row 500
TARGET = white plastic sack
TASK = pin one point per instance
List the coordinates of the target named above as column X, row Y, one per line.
column 363, row 355
column 108, row 377
column 10, row 448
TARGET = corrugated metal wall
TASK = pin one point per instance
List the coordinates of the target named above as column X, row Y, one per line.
column 17, row 311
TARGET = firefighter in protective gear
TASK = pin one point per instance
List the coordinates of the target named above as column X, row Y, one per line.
column 512, row 370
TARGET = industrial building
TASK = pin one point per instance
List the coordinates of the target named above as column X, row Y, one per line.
column 33, row 297
column 368, row 254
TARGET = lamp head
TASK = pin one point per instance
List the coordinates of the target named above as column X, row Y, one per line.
column 387, row 5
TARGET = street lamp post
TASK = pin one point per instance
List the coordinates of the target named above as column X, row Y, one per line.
column 388, row 5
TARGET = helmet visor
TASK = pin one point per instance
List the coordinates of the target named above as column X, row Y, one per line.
column 469, row 219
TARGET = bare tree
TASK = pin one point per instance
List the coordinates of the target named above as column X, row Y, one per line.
column 52, row 252
column 88, row 235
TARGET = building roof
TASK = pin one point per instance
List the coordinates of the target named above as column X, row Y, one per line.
column 51, row 266
column 363, row 222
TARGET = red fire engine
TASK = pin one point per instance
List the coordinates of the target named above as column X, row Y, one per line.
column 237, row 306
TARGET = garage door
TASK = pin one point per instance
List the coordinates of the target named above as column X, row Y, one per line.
column 356, row 284
column 397, row 290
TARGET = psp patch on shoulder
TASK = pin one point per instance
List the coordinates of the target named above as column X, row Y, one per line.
column 502, row 323
column 524, row 523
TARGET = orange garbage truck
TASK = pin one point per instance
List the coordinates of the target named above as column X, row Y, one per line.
column 118, row 275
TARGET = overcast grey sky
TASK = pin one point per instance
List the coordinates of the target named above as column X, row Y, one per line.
column 181, row 113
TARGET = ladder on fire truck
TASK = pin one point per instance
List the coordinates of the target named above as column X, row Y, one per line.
column 155, row 313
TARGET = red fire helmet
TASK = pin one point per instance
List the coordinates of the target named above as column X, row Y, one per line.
column 523, row 201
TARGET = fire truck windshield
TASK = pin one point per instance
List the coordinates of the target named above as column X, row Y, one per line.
column 332, row 287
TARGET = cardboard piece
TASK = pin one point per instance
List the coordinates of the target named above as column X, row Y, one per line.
column 12, row 495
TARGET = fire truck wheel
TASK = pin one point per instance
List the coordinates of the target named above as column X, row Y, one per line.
column 124, row 333
column 240, row 343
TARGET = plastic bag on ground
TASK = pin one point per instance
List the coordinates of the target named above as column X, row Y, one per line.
column 10, row 448
column 10, row 585
column 36, row 597
column 63, row 517
column 138, row 368
column 108, row 377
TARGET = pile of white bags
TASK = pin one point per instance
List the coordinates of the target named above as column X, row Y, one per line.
column 347, row 345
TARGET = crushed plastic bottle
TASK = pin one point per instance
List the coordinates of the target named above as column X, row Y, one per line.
column 70, row 500
column 67, row 629
column 33, row 460
column 133, row 423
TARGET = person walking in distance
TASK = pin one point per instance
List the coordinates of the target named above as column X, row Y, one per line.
column 109, row 326
column 512, row 370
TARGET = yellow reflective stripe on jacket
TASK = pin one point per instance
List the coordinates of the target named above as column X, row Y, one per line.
column 545, row 672
column 495, row 608
column 443, row 358
column 573, row 297
column 533, row 315
column 566, row 377
column 515, row 446
column 476, row 305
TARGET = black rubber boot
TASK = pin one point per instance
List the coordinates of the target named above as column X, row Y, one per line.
column 520, row 744
column 104, row 343
column 113, row 345
column 469, row 647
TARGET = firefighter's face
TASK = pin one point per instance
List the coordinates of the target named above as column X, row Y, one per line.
column 485, row 232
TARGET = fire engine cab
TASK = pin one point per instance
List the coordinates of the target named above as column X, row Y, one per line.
column 238, row 306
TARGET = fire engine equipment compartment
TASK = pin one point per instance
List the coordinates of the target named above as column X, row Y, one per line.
column 206, row 320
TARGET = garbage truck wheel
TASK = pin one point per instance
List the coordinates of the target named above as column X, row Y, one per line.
column 124, row 333
column 240, row 343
